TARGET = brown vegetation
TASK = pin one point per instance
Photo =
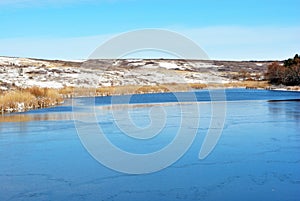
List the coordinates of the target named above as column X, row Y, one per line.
column 35, row 97
column 241, row 84
column 30, row 98
column 287, row 74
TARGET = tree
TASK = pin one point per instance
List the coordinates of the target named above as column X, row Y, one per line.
column 288, row 74
column 275, row 73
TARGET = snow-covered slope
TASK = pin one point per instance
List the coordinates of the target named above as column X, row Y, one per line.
column 24, row 72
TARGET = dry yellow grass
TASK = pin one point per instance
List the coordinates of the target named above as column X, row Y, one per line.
column 135, row 89
column 249, row 84
column 243, row 84
column 49, row 93
column 198, row 85
column 66, row 91
column 36, row 91
column 52, row 95
column 29, row 98
column 294, row 88
column 17, row 99
column 36, row 97
column 169, row 87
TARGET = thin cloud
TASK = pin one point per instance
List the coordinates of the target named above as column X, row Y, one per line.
column 223, row 43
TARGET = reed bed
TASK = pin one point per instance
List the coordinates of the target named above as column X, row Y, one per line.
column 243, row 84
column 36, row 97
column 30, row 98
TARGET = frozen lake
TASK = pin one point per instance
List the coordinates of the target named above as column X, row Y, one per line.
column 256, row 158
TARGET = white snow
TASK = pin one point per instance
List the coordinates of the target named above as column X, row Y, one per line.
column 46, row 84
column 46, row 74
column 169, row 66
column 20, row 107
column 203, row 65
column 9, row 61
column 137, row 63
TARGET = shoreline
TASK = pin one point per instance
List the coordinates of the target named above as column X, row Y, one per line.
column 38, row 98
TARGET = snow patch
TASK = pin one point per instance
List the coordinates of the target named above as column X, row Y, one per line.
column 46, row 84
column 170, row 66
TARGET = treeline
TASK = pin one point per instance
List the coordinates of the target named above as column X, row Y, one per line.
column 287, row 73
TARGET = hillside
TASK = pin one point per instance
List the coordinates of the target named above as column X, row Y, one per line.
column 25, row 72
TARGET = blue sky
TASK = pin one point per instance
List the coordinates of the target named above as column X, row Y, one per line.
column 69, row 29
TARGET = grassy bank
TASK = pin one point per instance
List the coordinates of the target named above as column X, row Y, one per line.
column 171, row 87
column 30, row 98
column 35, row 97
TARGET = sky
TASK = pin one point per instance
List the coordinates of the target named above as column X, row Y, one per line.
column 225, row 30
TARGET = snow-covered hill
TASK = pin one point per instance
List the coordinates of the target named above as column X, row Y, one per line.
column 25, row 72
